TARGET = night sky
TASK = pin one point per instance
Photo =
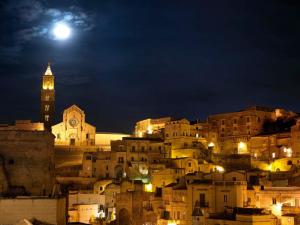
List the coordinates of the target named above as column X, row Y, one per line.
column 129, row 60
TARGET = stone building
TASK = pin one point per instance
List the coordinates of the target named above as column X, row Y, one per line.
column 26, row 159
column 295, row 138
column 150, row 126
column 74, row 130
column 214, row 192
column 83, row 206
column 271, row 146
column 130, row 157
column 133, row 206
column 235, row 129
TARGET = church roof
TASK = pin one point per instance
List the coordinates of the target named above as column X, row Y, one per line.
column 48, row 71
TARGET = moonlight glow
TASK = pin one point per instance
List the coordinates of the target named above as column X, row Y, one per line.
column 61, row 31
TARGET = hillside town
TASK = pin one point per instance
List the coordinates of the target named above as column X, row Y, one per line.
column 233, row 168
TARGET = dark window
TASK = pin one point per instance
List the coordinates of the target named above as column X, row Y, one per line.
column 225, row 198
column 290, row 162
column 72, row 141
column 274, row 201
column 202, row 199
column 133, row 148
column 88, row 157
column 11, row 162
column 87, row 136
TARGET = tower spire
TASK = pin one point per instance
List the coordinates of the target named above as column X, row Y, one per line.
column 48, row 71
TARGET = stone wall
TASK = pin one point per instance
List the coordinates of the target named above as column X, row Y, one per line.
column 26, row 162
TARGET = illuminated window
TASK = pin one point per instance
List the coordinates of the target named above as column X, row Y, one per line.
column 242, row 148
column 47, row 97
column 47, row 107
column 47, row 118
column 273, row 155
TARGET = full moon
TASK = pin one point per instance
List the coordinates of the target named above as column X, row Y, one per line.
column 61, row 31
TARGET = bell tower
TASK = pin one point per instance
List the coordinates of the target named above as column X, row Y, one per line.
column 47, row 99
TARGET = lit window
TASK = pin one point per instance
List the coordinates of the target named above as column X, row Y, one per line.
column 47, row 107
column 47, row 118
column 47, row 97
column 273, row 155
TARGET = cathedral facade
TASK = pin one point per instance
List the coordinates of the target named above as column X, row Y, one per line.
column 73, row 130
